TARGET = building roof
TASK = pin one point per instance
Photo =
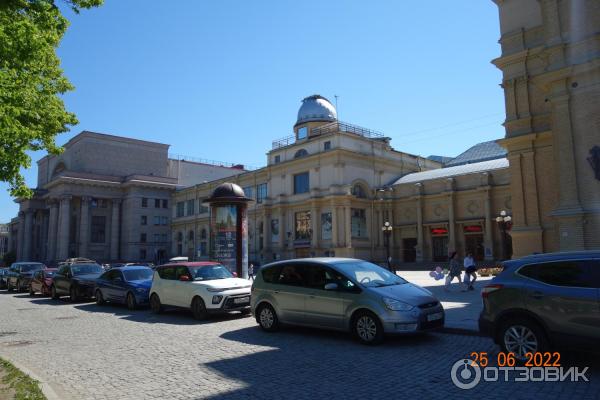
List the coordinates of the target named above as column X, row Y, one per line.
column 440, row 159
column 458, row 170
column 480, row 152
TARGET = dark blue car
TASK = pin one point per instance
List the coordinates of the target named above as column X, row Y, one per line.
column 128, row 285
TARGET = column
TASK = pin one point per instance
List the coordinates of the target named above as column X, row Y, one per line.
column 348, row 225
column 314, row 226
column 52, row 229
column 21, row 236
column 334, row 226
column 488, row 240
column 267, row 234
column 115, row 229
column 282, row 232
column 420, row 238
column 63, row 228
column 451, row 222
column 28, row 235
column 84, row 227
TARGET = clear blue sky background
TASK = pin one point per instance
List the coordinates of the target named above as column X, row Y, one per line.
column 222, row 79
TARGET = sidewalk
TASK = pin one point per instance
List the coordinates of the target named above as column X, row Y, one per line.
column 462, row 308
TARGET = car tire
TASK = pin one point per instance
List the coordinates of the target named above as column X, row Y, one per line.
column 367, row 328
column 520, row 336
column 131, row 303
column 99, row 298
column 155, row 304
column 73, row 298
column 9, row 287
column 53, row 293
column 31, row 292
column 19, row 288
column 199, row 309
column 267, row 318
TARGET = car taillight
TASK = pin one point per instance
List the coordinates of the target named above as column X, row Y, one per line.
column 485, row 292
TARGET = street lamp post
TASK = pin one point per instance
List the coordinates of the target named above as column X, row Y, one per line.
column 504, row 223
column 387, row 233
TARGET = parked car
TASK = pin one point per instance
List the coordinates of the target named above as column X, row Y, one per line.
column 544, row 301
column 342, row 294
column 203, row 287
column 42, row 281
column 128, row 285
column 3, row 277
column 76, row 280
column 20, row 274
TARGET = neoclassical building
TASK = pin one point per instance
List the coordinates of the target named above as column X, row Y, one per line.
column 328, row 189
column 105, row 197
column 550, row 63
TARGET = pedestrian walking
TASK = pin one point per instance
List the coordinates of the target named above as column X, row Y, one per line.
column 455, row 271
column 470, row 271
column 251, row 271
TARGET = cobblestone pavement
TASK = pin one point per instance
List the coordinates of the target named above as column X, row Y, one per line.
column 89, row 352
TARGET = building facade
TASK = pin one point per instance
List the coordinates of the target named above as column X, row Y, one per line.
column 328, row 189
column 105, row 197
column 551, row 79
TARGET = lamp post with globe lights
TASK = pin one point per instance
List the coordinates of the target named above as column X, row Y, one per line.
column 504, row 223
column 387, row 233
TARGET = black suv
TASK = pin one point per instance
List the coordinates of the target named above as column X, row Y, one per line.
column 76, row 280
column 20, row 274
column 544, row 301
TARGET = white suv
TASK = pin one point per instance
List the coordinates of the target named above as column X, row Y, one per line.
column 203, row 287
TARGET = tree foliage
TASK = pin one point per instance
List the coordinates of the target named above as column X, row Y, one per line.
column 31, row 82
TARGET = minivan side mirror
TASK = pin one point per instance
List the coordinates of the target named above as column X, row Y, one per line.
column 331, row 286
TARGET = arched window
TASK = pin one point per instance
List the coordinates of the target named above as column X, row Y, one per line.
column 359, row 191
column 180, row 236
column 301, row 153
column 191, row 235
column 203, row 234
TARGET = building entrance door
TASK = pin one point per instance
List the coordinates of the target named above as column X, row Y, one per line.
column 409, row 251
column 440, row 248
column 474, row 244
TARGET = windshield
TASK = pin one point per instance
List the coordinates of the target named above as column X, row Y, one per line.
column 138, row 274
column 31, row 267
column 368, row 274
column 82, row 269
column 210, row 272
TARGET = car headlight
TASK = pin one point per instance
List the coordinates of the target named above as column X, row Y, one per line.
column 141, row 290
column 396, row 305
column 217, row 299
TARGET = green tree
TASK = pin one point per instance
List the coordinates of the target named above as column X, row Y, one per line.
column 31, row 82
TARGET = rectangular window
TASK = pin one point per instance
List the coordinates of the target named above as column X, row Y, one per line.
column 359, row 223
column 301, row 183
column 203, row 249
column 202, row 209
column 163, row 237
column 277, row 159
column 327, row 145
column 156, row 220
column 190, row 207
column 144, row 220
column 164, row 220
column 98, row 229
column 326, row 226
column 143, row 238
column 142, row 254
column 144, row 202
column 302, row 224
column 156, row 203
column 248, row 192
column 156, row 237
column 180, row 208
column 165, row 203
column 302, row 133
column 261, row 192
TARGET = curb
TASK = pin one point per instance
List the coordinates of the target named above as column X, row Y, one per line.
column 44, row 386
column 461, row 331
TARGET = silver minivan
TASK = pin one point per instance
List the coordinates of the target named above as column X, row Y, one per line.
column 342, row 294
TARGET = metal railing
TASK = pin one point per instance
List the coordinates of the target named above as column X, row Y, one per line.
column 212, row 162
column 336, row 126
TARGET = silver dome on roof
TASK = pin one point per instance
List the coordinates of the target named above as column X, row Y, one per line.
column 316, row 108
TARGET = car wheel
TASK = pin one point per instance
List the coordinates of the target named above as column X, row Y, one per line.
column 9, row 287
column 99, row 297
column 267, row 318
column 73, row 295
column 19, row 288
column 521, row 336
column 199, row 309
column 155, row 304
column 131, row 303
column 367, row 328
column 31, row 292
column 53, row 293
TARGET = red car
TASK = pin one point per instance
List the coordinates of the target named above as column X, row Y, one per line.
column 42, row 282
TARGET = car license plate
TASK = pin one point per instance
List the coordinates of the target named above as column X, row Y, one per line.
column 435, row 316
column 241, row 300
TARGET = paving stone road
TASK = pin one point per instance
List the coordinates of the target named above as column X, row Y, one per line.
column 84, row 351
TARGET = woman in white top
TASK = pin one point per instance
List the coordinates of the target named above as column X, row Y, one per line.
column 470, row 271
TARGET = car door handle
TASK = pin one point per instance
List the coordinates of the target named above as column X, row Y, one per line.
column 537, row 295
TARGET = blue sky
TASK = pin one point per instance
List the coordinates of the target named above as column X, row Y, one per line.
column 222, row 79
